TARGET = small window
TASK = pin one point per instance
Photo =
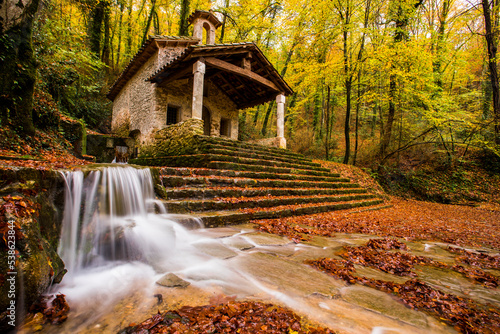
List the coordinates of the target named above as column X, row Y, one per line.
column 225, row 127
column 172, row 115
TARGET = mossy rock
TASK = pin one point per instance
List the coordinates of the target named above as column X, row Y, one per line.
column 38, row 264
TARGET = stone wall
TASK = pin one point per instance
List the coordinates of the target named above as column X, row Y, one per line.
column 103, row 147
column 220, row 106
column 176, row 139
column 179, row 94
column 279, row 142
column 75, row 132
column 141, row 106
column 136, row 100
column 134, row 108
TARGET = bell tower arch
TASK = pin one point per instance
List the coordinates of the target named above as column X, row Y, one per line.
column 204, row 21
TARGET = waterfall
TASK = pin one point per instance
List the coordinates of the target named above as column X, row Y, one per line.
column 104, row 216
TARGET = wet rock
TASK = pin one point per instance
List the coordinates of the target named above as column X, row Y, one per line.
column 238, row 243
column 264, row 239
column 377, row 274
column 37, row 263
column 450, row 281
column 306, row 252
column 171, row 280
column 322, row 242
column 220, row 232
column 383, row 303
column 215, row 249
column 287, row 275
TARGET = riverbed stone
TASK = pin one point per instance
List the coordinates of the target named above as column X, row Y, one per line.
column 171, row 280
column 286, row 275
column 215, row 249
column 238, row 243
column 453, row 282
column 219, row 232
column 323, row 242
column 265, row 239
column 383, row 303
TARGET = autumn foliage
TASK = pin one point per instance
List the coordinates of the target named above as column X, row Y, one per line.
column 53, row 308
column 229, row 316
column 466, row 315
column 407, row 219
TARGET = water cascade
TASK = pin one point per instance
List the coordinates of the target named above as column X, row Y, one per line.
column 118, row 242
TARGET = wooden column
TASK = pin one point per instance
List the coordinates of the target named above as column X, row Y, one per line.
column 198, row 78
column 280, row 117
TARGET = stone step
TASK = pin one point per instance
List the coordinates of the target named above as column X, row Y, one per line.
column 264, row 162
column 260, row 168
column 186, row 171
column 222, row 150
column 213, row 192
column 206, row 160
column 202, row 181
column 233, row 203
column 247, row 146
column 223, row 218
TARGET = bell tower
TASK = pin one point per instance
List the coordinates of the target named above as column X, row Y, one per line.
column 203, row 20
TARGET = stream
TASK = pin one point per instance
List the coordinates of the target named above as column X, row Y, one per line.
column 121, row 248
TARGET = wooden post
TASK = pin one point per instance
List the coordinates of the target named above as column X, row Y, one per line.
column 198, row 78
column 280, row 118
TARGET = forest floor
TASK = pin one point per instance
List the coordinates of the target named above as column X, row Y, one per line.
column 45, row 150
column 407, row 219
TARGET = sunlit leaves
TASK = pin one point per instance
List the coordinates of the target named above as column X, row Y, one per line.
column 225, row 315
column 464, row 314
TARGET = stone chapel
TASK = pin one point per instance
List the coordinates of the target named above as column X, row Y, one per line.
column 173, row 79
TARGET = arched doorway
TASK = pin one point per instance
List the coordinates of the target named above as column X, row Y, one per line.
column 205, row 116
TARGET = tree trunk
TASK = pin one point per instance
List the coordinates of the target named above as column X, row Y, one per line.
column 491, row 42
column 148, row 23
column 156, row 23
column 18, row 68
column 183, row 21
column 348, row 87
column 118, row 48
column 347, row 124
column 402, row 18
column 128, row 42
column 387, row 130
column 224, row 19
column 438, row 60
column 358, row 79
column 97, row 17
column 283, row 72
column 327, row 137
column 106, row 45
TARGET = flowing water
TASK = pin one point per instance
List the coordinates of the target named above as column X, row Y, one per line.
column 117, row 241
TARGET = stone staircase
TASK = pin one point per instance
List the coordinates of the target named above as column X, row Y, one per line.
column 229, row 182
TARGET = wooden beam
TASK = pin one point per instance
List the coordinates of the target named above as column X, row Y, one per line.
column 246, row 63
column 220, row 77
column 216, row 53
column 228, row 67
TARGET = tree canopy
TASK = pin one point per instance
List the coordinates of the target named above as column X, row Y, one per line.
column 373, row 79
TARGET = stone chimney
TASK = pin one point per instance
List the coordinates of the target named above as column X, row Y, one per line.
column 201, row 19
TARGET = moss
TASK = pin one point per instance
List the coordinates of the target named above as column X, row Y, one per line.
column 38, row 263
column 75, row 132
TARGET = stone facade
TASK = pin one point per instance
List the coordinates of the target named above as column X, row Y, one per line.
column 135, row 107
column 141, row 107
